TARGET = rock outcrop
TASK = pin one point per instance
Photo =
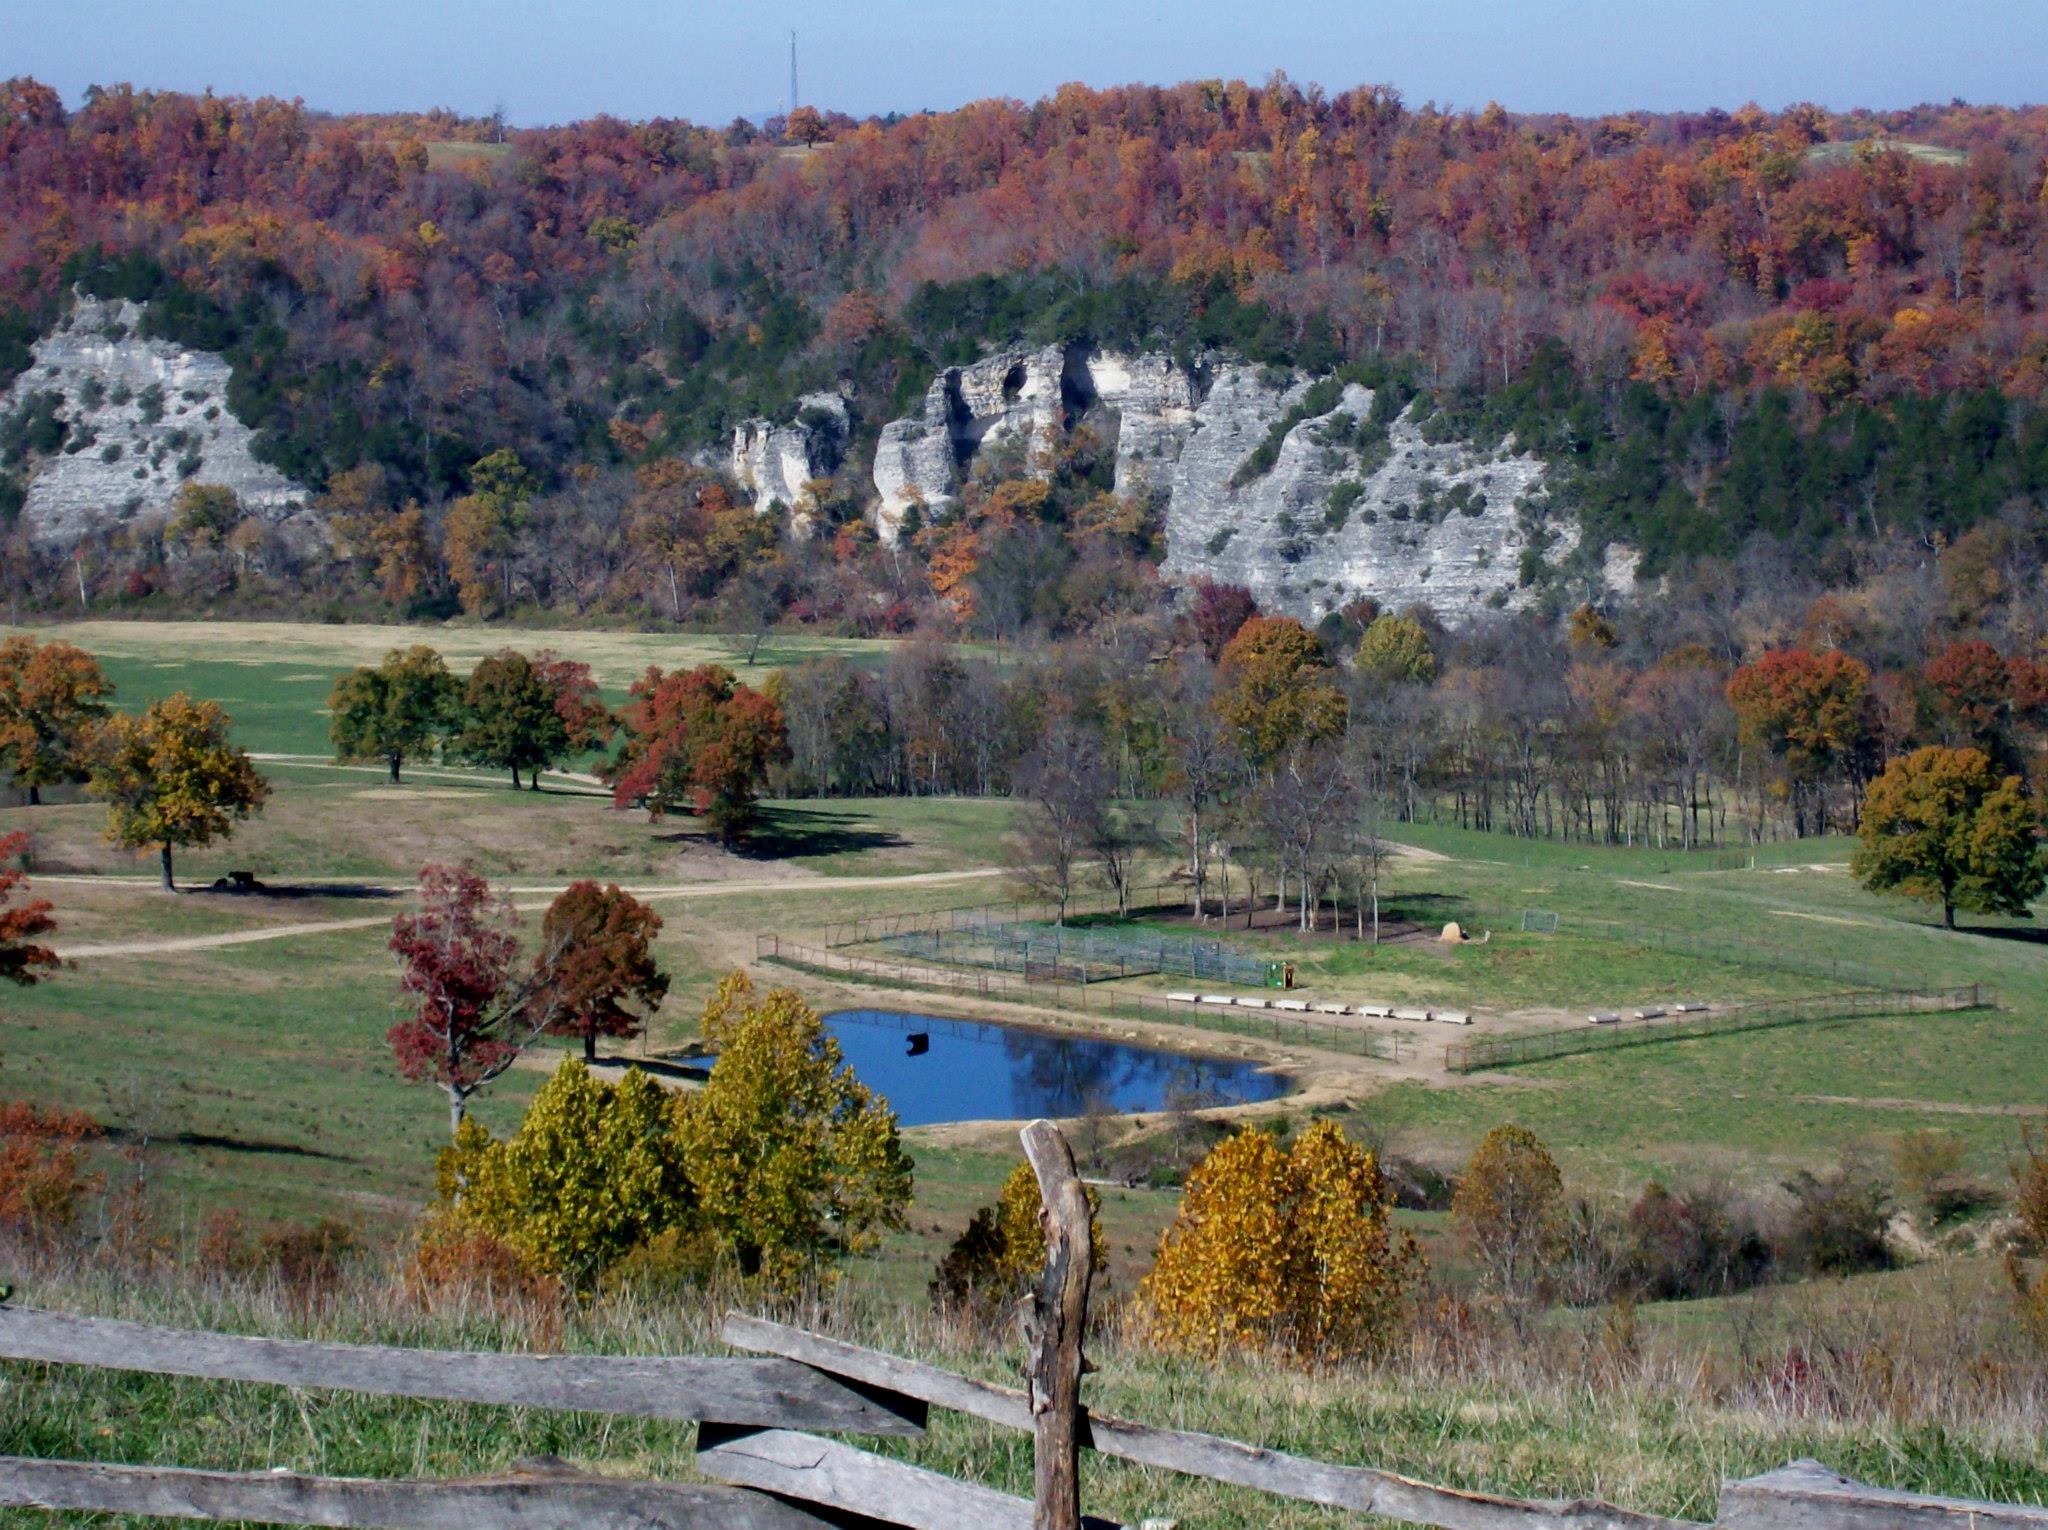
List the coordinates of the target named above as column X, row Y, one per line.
column 139, row 418
column 773, row 462
column 1297, row 488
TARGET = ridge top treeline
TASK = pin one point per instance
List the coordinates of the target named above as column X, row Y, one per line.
column 1812, row 330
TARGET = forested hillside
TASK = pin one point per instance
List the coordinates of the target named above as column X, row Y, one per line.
column 1819, row 330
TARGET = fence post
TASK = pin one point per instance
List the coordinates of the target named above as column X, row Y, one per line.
column 1059, row 1315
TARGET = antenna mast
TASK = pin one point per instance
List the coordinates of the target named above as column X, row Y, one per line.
column 792, row 71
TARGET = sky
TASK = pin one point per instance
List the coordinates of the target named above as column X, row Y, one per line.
column 709, row 62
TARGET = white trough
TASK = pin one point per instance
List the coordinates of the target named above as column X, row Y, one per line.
column 1650, row 1013
column 1333, row 1009
column 1244, row 1003
column 1297, row 1006
column 1411, row 1014
column 1689, row 1009
column 1450, row 1016
column 1217, row 998
column 1375, row 1011
column 1603, row 1017
column 1182, row 998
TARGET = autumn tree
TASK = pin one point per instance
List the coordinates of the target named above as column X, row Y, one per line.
column 603, row 982
column 1395, row 651
column 1000, row 1256
column 1945, row 826
column 1219, row 611
column 1806, row 710
column 1277, row 689
column 52, row 698
column 594, row 1171
column 398, row 710
column 482, row 531
column 796, row 1164
column 698, row 739
column 170, row 777
column 1973, row 693
column 472, row 1016
column 805, row 125
column 510, row 720
column 1288, row 1249
column 20, row 955
column 1505, row 1209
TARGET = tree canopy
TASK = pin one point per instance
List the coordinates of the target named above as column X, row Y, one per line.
column 170, row 777
column 1945, row 826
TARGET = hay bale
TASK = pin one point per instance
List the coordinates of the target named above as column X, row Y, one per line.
column 1453, row 934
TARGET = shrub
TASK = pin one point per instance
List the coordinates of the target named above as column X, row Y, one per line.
column 305, row 1259
column 1000, row 1255
column 1274, row 1248
column 45, row 1175
column 594, row 1170
column 1691, row 1244
column 1505, row 1209
column 1928, row 1166
column 454, row 1262
column 2030, row 1211
column 1837, row 1221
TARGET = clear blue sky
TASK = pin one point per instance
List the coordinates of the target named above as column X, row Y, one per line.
column 553, row 62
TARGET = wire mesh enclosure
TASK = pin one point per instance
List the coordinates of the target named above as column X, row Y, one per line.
column 1050, row 953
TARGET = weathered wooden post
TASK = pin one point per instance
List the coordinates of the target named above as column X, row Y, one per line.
column 1059, row 1316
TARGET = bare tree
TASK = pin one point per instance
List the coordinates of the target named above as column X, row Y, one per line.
column 1205, row 766
column 1302, row 808
column 1065, row 781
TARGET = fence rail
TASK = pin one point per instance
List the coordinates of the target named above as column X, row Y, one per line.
column 771, row 1475
column 1278, row 1025
column 1631, row 1031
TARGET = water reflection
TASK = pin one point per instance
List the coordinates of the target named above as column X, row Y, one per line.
column 970, row 1070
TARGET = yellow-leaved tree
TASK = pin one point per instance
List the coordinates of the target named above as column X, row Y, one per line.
column 796, row 1164
column 170, row 777
column 594, row 1171
column 1000, row 1256
column 1293, row 1250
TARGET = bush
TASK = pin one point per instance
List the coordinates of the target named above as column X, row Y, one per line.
column 1928, row 1166
column 2030, row 1211
column 999, row 1257
column 454, row 1262
column 45, row 1176
column 1288, row 1249
column 306, row 1260
column 1692, row 1244
column 1837, row 1222
column 594, row 1170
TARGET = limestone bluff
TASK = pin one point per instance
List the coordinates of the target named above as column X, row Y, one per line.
column 1294, row 486
column 141, row 417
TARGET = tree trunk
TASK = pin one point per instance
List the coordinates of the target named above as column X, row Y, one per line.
column 515, row 778
column 165, row 852
column 1059, row 1317
column 395, row 757
column 456, row 1103
column 590, row 1044
column 1948, row 914
column 35, row 795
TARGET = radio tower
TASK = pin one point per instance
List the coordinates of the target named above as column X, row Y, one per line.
column 792, row 71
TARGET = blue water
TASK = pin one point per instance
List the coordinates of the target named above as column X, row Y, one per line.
column 975, row 1071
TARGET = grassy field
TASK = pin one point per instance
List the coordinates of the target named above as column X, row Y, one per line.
column 256, row 1077
column 273, row 677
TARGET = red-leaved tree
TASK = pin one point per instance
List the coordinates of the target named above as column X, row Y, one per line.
column 1219, row 610
column 471, row 1019
column 20, row 956
column 701, row 740
column 602, row 939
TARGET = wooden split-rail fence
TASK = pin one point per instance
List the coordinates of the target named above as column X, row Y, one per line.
column 762, row 1421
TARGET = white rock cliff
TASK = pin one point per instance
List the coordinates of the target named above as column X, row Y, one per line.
column 144, row 417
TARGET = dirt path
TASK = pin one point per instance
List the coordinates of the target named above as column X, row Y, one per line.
column 1931, row 1107
column 173, row 943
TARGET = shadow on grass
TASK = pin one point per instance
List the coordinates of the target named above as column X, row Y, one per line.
column 293, row 892
column 787, row 833
column 228, row 1144
column 2034, row 935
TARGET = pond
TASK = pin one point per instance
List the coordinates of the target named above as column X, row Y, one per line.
column 970, row 1070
